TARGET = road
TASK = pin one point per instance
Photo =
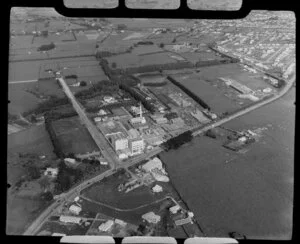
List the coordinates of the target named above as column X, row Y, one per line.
column 99, row 138
column 34, row 227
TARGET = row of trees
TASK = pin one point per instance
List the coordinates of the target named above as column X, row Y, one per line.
column 100, row 88
column 189, row 92
column 67, row 177
column 148, row 105
column 153, row 67
column 56, row 146
column 46, row 47
column 155, row 84
column 178, row 141
column 48, row 105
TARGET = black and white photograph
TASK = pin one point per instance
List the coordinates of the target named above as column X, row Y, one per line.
column 156, row 127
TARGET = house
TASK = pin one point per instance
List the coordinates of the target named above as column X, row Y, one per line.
column 151, row 217
column 70, row 160
column 75, row 209
column 174, row 209
column 157, row 188
column 51, row 172
column 106, row 226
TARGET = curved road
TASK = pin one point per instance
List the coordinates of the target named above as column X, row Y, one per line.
column 34, row 227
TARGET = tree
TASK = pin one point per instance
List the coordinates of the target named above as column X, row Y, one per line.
column 47, row 196
column 161, row 45
column 114, row 65
column 82, row 83
column 33, row 172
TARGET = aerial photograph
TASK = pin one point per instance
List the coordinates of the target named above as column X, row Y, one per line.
column 151, row 127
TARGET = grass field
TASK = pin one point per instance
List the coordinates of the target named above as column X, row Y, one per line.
column 218, row 102
column 20, row 211
column 131, row 60
column 73, row 137
column 20, row 99
column 106, row 192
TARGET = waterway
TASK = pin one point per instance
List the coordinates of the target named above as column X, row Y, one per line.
column 251, row 194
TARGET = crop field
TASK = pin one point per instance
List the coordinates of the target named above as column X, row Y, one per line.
column 21, row 41
column 20, row 71
column 63, row 37
column 20, row 99
column 73, row 137
column 212, row 96
column 145, row 49
column 137, row 35
column 130, row 60
column 49, row 88
column 200, row 56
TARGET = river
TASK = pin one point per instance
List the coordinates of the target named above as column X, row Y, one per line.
column 253, row 193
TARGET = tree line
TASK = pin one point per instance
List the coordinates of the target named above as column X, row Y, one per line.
column 178, row 141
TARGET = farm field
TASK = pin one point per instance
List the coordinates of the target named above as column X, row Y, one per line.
column 20, row 71
column 20, row 99
column 124, row 61
column 236, row 72
column 73, row 137
column 218, row 102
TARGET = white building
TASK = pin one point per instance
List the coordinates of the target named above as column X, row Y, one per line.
column 157, row 188
column 136, row 146
column 69, row 219
column 108, row 99
column 174, row 209
column 106, row 226
column 151, row 217
column 51, row 172
column 118, row 141
column 70, row 160
column 75, row 209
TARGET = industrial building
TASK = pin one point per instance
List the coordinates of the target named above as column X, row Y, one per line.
column 106, row 226
column 151, row 217
column 69, row 219
column 75, row 209
column 118, row 140
column 136, row 146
